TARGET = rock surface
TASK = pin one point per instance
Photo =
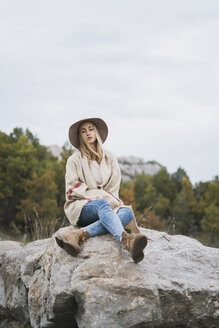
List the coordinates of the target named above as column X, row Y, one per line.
column 176, row 285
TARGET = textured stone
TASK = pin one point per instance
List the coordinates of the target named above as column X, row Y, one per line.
column 176, row 285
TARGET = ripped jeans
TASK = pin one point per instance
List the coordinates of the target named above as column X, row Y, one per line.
column 98, row 218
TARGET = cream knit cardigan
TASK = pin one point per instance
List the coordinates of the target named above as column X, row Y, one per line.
column 81, row 186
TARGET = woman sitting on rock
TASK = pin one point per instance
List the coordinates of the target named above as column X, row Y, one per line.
column 92, row 193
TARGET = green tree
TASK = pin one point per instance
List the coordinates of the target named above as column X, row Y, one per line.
column 164, row 185
column 162, row 207
column 177, row 177
column 22, row 160
column 210, row 220
column 40, row 201
column 200, row 190
column 150, row 195
column 126, row 193
column 185, row 208
column 142, row 181
column 17, row 161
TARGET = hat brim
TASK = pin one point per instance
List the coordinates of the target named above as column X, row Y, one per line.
column 74, row 130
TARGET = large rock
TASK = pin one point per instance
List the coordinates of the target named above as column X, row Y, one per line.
column 176, row 285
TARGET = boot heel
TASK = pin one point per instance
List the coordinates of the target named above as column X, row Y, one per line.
column 70, row 248
column 139, row 244
column 135, row 244
column 59, row 242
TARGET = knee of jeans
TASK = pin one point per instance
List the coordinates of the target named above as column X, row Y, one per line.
column 102, row 203
column 128, row 214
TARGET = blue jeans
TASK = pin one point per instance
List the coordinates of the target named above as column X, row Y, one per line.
column 98, row 218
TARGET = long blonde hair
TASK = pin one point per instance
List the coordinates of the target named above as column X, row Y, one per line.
column 88, row 151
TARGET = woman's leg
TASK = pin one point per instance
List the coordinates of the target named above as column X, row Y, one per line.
column 98, row 218
column 89, row 220
column 126, row 215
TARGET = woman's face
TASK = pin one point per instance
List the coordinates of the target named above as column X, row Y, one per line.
column 87, row 133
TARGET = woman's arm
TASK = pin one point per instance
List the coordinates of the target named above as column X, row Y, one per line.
column 75, row 189
column 113, row 184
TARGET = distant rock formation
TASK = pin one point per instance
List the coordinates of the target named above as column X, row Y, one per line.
column 130, row 166
column 176, row 285
column 55, row 151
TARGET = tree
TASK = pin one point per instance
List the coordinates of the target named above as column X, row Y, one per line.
column 19, row 132
column 40, row 201
column 22, row 160
column 150, row 196
column 164, row 185
column 210, row 220
column 212, row 193
column 17, row 161
column 162, row 207
column 148, row 219
column 177, row 177
column 127, row 194
column 200, row 189
column 185, row 208
column 142, row 181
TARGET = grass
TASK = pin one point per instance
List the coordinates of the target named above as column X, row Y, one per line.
column 210, row 239
column 33, row 230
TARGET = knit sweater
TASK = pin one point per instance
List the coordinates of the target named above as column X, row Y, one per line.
column 81, row 186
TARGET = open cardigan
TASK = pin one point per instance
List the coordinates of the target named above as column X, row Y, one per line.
column 81, row 186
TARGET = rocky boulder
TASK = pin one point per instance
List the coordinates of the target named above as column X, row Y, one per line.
column 176, row 285
column 132, row 166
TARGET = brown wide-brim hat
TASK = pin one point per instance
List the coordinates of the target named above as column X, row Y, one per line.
column 74, row 130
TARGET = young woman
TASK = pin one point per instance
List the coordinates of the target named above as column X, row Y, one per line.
column 92, row 193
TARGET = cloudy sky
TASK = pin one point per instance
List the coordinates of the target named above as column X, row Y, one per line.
column 149, row 68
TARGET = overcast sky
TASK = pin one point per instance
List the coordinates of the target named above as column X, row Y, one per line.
column 149, row 68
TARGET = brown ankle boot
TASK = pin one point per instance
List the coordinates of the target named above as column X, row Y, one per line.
column 132, row 226
column 135, row 244
column 71, row 241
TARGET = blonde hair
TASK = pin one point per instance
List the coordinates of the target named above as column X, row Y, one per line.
column 88, row 151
